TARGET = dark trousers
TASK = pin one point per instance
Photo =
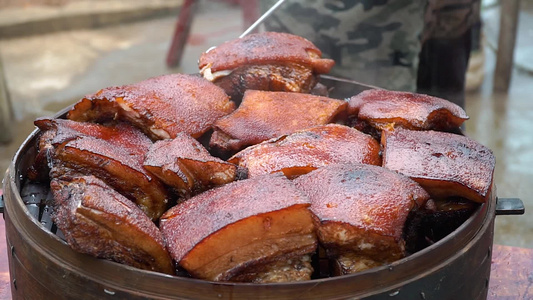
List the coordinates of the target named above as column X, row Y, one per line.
column 442, row 67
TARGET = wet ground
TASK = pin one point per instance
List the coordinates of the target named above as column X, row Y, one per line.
column 47, row 72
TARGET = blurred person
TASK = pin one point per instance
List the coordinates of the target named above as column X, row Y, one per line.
column 408, row 45
column 451, row 32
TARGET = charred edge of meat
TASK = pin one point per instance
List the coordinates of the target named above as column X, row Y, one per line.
column 320, row 263
column 180, row 271
column 39, row 171
column 204, row 140
column 364, row 127
column 217, row 145
column 242, row 173
column 41, row 166
column 425, row 227
column 413, row 234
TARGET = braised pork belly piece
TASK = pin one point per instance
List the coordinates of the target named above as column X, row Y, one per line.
column 97, row 220
column 265, row 115
column 445, row 164
column 160, row 106
column 269, row 61
column 251, row 230
column 184, row 164
column 382, row 109
column 115, row 154
column 361, row 211
column 306, row 150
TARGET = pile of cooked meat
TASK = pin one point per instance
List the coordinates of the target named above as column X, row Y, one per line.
column 244, row 174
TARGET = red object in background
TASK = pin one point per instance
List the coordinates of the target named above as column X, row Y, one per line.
column 5, row 282
column 183, row 26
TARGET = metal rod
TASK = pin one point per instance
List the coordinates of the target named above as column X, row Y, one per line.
column 335, row 78
column 262, row 18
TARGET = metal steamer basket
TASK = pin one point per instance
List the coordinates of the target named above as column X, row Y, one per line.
column 43, row 266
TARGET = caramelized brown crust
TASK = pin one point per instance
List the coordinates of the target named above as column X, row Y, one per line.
column 265, row 115
column 361, row 209
column 98, row 221
column 220, row 233
column 113, row 154
column 55, row 132
column 265, row 48
column 186, row 165
column 445, row 164
column 309, row 149
column 382, row 109
column 160, row 106
column 427, row 226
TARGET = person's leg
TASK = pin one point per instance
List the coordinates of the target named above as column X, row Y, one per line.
column 442, row 68
column 446, row 47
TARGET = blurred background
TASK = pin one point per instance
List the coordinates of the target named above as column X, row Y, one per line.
column 53, row 52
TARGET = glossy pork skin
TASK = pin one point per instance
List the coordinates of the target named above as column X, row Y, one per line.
column 261, row 48
column 445, row 164
column 361, row 210
column 55, row 132
column 265, row 115
column 268, row 61
column 222, row 233
column 382, row 109
column 160, row 106
column 306, row 150
column 114, row 154
column 186, row 165
column 119, row 134
column 97, row 220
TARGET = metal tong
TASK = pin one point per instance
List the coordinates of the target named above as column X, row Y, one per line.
column 262, row 18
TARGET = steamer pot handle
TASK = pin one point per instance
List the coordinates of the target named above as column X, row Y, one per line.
column 509, row 206
column 504, row 206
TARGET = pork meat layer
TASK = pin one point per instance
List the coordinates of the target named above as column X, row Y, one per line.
column 98, row 221
column 115, row 154
column 230, row 232
column 361, row 211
